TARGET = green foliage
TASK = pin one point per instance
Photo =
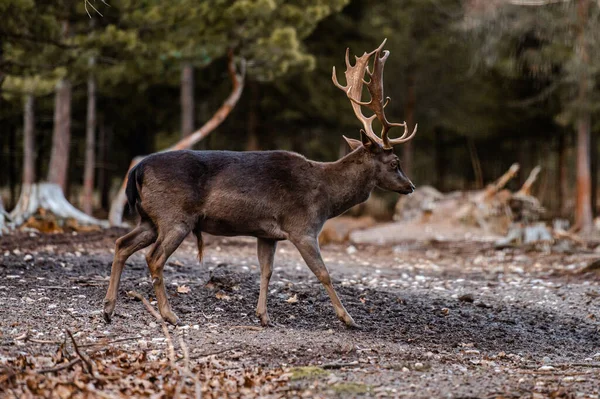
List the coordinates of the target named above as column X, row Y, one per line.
column 546, row 44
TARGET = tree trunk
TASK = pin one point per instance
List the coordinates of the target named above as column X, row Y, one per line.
column 90, row 145
column 237, row 78
column 409, row 114
column 594, row 172
column 29, row 141
column 562, row 182
column 12, row 164
column 583, row 209
column 477, row 171
column 3, row 227
column 61, row 135
column 50, row 197
column 187, row 99
column 102, row 168
column 252, row 142
column 440, row 164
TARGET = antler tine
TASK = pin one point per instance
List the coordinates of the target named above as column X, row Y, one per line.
column 403, row 138
column 377, row 103
column 353, row 89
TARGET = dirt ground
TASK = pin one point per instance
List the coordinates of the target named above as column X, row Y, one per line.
column 440, row 319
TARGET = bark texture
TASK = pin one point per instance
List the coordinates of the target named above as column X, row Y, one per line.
column 187, row 100
column 61, row 135
column 90, row 146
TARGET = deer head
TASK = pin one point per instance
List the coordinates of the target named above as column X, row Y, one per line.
column 389, row 174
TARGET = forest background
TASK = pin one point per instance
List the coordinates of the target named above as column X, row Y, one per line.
column 85, row 86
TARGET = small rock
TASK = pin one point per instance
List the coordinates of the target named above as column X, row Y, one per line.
column 568, row 379
column 152, row 324
column 419, row 366
column 546, row 360
column 143, row 344
column 28, row 258
column 405, row 369
column 351, row 250
column 466, row 298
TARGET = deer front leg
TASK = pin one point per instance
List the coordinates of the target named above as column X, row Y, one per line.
column 266, row 254
column 309, row 249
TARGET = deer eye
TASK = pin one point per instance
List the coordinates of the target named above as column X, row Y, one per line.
column 394, row 164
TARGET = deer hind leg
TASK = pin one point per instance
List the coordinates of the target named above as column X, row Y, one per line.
column 266, row 254
column 309, row 249
column 162, row 249
column 140, row 237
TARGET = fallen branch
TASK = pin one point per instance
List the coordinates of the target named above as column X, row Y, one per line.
column 502, row 180
column 59, row 368
column 526, row 188
column 88, row 365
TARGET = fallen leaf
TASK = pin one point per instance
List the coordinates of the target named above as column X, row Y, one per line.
column 292, row 299
column 222, row 295
column 183, row 289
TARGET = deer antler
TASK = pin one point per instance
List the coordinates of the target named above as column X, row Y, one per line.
column 353, row 89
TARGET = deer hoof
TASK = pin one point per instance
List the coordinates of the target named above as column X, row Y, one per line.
column 350, row 323
column 265, row 321
column 171, row 318
column 109, row 308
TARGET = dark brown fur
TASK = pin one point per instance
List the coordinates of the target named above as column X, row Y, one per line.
column 271, row 195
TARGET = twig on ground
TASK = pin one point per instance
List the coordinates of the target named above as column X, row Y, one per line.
column 217, row 352
column 186, row 354
column 158, row 317
column 59, row 368
column 186, row 367
column 88, row 365
column 26, row 337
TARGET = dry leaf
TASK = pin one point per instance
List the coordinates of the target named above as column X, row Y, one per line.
column 222, row 295
column 293, row 299
column 183, row 289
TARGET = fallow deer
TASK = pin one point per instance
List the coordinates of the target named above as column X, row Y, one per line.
column 270, row 195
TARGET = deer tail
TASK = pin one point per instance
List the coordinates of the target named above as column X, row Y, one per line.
column 134, row 180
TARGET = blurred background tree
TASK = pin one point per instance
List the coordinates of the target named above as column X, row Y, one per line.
column 489, row 82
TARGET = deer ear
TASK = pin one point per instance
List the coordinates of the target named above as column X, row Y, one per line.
column 354, row 144
column 367, row 141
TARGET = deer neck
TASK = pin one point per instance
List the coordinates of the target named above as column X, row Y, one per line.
column 350, row 181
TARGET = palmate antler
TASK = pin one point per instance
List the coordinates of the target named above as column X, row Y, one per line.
column 353, row 89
